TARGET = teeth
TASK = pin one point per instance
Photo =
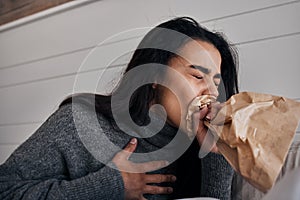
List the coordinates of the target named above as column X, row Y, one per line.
column 196, row 104
column 205, row 100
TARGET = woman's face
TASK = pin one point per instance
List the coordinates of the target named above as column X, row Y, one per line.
column 199, row 64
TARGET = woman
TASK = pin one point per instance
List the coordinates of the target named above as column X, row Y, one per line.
column 76, row 153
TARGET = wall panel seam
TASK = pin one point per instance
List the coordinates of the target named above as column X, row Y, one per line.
column 123, row 64
column 68, row 52
column 87, row 48
column 10, row 144
column 268, row 38
column 60, row 76
column 205, row 21
column 21, row 123
column 251, row 11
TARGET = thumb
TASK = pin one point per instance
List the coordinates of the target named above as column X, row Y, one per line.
column 203, row 112
column 130, row 147
column 198, row 118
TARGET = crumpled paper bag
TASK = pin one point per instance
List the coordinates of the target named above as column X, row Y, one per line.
column 255, row 132
column 197, row 103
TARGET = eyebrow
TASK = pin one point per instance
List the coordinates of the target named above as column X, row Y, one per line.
column 205, row 70
column 200, row 68
column 217, row 76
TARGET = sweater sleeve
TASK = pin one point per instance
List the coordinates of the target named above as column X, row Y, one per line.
column 103, row 184
column 216, row 177
column 54, row 164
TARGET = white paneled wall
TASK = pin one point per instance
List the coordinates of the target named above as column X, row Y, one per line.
column 40, row 60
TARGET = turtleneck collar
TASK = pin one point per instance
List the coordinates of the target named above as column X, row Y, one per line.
column 158, row 132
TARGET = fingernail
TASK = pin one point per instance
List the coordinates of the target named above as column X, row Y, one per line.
column 133, row 141
column 166, row 163
column 174, row 178
column 208, row 117
column 170, row 190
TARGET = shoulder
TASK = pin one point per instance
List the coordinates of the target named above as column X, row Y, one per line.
column 64, row 123
column 81, row 122
column 84, row 121
column 74, row 114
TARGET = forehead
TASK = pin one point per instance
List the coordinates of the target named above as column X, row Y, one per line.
column 197, row 52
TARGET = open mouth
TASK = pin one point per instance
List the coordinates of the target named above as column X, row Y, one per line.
column 197, row 104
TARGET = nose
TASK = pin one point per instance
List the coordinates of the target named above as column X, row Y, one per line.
column 211, row 88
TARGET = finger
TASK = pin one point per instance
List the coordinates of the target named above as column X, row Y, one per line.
column 142, row 198
column 197, row 122
column 216, row 104
column 130, row 147
column 213, row 110
column 202, row 113
column 149, row 166
column 159, row 178
column 150, row 189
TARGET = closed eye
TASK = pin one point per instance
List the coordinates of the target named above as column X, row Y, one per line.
column 217, row 82
column 198, row 77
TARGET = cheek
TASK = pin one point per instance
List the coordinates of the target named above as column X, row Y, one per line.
column 177, row 105
column 198, row 86
column 172, row 106
column 195, row 88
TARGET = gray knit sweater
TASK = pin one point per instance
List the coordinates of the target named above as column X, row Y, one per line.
column 55, row 164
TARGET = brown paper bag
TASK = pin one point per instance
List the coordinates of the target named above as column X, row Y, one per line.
column 255, row 132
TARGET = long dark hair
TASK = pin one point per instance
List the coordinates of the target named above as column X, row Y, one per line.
column 144, row 54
